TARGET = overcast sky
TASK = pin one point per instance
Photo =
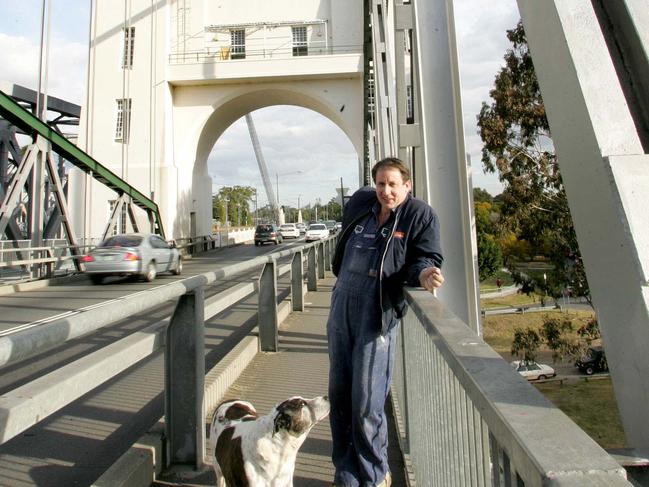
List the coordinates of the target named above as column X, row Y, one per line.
column 293, row 139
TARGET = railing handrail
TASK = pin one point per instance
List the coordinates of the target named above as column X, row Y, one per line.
column 27, row 343
column 540, row 442
column 213, row 55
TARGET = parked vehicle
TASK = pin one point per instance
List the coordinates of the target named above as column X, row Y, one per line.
column 594, row 361
column 289, row 230
column 316, row 231
column 532, row 370
column 331, row 226
column 136, row 254
column 268, row 233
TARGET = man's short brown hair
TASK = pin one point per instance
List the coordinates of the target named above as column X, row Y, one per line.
column 391, row 163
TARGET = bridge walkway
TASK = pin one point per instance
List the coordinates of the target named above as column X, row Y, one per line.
column 300, row 367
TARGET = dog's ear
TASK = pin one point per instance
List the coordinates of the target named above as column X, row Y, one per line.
column 282, row 421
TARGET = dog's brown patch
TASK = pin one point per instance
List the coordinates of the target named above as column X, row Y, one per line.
column 230, row 458
column 238, row 411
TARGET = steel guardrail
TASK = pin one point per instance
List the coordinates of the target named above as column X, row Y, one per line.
column 468, row 418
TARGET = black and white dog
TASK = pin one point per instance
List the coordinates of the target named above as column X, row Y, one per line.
column 260, row 451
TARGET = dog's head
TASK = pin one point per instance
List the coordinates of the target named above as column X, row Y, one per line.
column 235, row 410
column 297, row 415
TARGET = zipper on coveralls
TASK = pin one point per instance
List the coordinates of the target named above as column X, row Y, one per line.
column 385, row 252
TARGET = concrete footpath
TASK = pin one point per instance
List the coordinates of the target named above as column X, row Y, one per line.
column 300, row 367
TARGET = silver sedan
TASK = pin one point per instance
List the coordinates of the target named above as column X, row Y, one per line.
column 135, row 254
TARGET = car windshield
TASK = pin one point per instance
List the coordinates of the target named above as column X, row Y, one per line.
column 317, row 226
column 265, row 228
column 330, row 223
column 122, row 241
column 288, row 227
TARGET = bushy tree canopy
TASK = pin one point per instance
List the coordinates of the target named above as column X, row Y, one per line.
column 518, row 146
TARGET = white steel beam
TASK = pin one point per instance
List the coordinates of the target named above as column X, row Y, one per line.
column 436, row 66
column 606, row 176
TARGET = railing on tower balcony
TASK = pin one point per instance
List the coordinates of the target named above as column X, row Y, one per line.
column 255, row 49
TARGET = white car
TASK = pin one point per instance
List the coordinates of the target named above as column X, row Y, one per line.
column 533, row 371
column 316, row 231
column 289, row 230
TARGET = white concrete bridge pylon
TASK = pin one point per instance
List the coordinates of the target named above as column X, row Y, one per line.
column 599, row 144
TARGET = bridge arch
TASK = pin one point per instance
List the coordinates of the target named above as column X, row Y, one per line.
column 201, row 114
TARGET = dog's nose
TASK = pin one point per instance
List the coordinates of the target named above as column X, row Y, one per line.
column 326, row 398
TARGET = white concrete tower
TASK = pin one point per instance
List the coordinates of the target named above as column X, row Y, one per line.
column 166, row 78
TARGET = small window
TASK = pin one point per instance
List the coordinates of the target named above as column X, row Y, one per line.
column 299, row 41
column 123, row 120
column 129, row 45
column 238, row 43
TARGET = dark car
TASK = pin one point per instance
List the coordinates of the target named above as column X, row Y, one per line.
column 267, row 232
column 594, row 361
column 331, row 226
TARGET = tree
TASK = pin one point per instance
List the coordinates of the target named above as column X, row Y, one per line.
column 489, row 254
column 525, row 344
column 518, row 145
column 238, row 199
column 554, row 331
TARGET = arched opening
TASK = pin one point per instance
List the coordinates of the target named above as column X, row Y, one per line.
column 300, row 130
column 307, row 157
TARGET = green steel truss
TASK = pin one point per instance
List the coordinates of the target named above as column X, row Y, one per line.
column 30, row 124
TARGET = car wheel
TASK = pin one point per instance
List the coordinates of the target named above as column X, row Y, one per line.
column 256, row 244
column 589, row 371
column 150, row 273
column 179, row 267
column 96, row 278
column 542, row 377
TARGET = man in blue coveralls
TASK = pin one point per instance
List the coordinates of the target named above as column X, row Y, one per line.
column 389, row 239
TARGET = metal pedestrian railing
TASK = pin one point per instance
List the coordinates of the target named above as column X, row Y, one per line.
column 466, row 418
column 181, row 336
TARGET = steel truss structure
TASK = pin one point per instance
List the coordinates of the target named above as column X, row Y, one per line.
column 33, row 191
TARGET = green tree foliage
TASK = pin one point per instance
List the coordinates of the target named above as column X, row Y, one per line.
column 239, row 200
column 525, row 344
column 518, row 145
column 489, row 254
column 554, row 331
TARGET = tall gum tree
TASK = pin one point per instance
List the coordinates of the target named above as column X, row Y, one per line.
column 517, row 144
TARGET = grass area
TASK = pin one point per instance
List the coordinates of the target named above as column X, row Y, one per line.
column 490, row 284
column 512, row 300
column 591, row 404
column 498, row 330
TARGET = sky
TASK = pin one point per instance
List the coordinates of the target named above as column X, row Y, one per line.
column 306, row 154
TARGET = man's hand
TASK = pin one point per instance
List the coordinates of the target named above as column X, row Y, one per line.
column 431, row 278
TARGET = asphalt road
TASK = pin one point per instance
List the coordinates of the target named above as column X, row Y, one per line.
column 38, row 307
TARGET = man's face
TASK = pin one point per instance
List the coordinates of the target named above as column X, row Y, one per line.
column 391, row 190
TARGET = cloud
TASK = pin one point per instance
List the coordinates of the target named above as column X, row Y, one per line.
column 481, row 36
column 305, row 154
column 67, row 65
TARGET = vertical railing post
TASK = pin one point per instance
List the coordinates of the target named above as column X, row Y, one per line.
column 297, row 282
column 185, row 381
column 327, row 255
column 312, row 269
column 321, row 264
column 267, row 307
